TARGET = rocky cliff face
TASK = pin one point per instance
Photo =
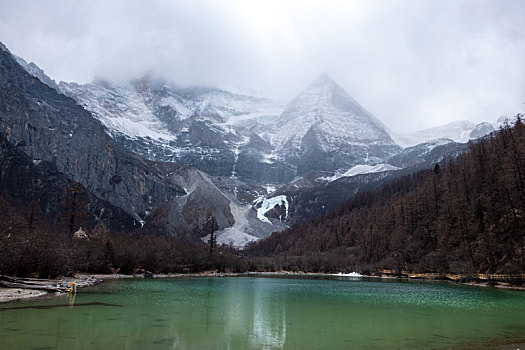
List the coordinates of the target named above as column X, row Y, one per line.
column 24, row 181
column 48, row 126
column 192, row 212
column 34, row 70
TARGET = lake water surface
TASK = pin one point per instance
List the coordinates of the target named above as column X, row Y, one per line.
column 267, row 313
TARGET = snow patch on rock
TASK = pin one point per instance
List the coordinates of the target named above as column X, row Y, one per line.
column 120, row 108
column 267, row 204
column 361, row 169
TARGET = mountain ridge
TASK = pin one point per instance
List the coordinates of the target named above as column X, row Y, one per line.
column 214, row 130
column 231, row 144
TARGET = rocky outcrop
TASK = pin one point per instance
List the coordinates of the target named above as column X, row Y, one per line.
column 192, row 212
column 252, row 166
column 35, row 71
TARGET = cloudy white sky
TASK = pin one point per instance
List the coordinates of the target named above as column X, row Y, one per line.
column 414, row 64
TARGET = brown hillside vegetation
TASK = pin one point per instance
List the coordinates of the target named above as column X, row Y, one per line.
column 33, row 245
column 464, row 216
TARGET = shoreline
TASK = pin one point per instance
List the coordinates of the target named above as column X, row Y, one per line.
column 8, row 294
column 81, row 280
column 14, row 295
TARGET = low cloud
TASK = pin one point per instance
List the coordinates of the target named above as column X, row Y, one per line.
column 413, row 64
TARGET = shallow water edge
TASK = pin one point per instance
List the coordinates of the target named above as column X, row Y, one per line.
column 16, row 294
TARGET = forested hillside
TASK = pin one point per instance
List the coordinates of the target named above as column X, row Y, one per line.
column 464, row 216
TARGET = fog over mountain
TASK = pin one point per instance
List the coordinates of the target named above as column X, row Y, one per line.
column 415, row 65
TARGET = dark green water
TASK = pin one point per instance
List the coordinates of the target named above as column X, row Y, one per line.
column 266, row 313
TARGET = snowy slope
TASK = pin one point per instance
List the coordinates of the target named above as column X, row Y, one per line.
column 428, row 153
column 361, row 169
column 121, row 109
column 206, row 128
column 264, row 205
column 223, row 133
column 505, row 120
column 460, row 131
column 481, row 130
column 160, row 110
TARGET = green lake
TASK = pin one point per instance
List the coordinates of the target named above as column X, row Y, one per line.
column 267, row 313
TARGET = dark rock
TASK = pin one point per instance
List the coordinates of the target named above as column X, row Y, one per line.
column 51, row 128
column 23, row 180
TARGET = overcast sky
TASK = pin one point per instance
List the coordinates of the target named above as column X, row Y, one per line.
column 414, row 64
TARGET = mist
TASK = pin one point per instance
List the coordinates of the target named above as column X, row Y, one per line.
column 413, row 64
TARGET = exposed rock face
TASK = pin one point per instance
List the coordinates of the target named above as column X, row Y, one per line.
column 48, row 126
column 192, row 212
column 252, row 165
column 35, row 71
column 24, row 181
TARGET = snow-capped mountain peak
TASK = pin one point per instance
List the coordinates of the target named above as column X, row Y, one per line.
column 327, row 106
column 324, row 120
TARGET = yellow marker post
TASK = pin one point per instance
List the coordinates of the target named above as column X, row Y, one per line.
column 72, row 293
column 73, row 287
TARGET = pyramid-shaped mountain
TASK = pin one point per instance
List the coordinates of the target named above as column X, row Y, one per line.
column 324, row 128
